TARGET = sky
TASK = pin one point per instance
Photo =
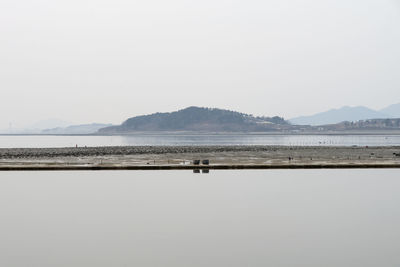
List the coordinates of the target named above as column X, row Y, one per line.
column 87, row 61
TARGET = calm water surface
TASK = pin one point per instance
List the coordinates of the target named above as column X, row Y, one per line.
column 7, row 141
column 177, row 218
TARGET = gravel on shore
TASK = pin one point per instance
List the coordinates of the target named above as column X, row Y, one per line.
column 125, row 156
column 137, row 150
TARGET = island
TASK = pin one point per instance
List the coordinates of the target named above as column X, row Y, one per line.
column 214, row 120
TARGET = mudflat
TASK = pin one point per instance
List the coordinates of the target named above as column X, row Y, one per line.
column 175, row 157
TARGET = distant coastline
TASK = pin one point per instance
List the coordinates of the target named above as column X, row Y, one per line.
column 212, row 120
column 166, row 133
column 201, row 120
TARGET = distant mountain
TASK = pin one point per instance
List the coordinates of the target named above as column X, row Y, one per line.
column 392, row 110
column 338, row 115
column 76, row 129
column 49, row 123
column 196, row 119
column 36, row 127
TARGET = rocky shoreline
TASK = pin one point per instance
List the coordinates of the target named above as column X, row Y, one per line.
column 176, row 157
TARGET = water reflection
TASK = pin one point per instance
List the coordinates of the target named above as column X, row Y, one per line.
column 205, row 171
column 227, row 218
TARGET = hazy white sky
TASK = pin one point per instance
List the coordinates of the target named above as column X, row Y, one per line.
column 105, row 61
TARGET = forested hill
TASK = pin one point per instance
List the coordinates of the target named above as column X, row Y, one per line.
column 199, row 119
column 365, row 125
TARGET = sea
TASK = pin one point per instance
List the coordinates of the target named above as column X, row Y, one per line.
column 19, row 141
